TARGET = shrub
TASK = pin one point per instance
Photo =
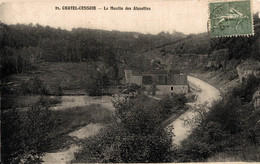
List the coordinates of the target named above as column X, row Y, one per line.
column 58, row 91
column 164, row 54
column 96, row 84
column 247, row 89
column 6, row 90
column 37, row 127
column 214, row 132
column 135, row 136
column 163, row 50
column 11, row 127
column 48, row 101
column 133, row 88
column 171, row 104
column 232, row 75
column 34, row 86
column 27, row 134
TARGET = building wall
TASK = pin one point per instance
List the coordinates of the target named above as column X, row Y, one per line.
column 181, row 89
column 177, row 83
column 128, row 74
column 136, row 80
column 168, row 89
column 247, row 68
column 157, row 78
column 163, row 89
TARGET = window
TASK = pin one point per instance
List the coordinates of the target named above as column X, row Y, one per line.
column 172, row 88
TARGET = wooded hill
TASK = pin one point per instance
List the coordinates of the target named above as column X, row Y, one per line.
column 23, row 46
column 185, row 54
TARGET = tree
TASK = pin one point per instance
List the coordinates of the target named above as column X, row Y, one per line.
column 134, row 136
column 256, row 18
column 34, row 86
column 110, row 58
column 170, row 104
column 97, row 83
column 26, row 135
column 247, row 89
column 11, row 140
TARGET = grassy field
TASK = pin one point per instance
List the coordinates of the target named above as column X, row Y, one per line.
column 24, row 101
column 71, row 77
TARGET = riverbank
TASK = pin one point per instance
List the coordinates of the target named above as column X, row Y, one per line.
column 85, row 116
column 66, row 155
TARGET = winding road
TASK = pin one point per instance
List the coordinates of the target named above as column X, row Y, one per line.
column 208, row 94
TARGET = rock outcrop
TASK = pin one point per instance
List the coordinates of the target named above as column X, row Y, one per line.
column 247, row 68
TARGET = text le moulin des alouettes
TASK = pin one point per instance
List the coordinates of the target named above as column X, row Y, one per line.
column 104, row 8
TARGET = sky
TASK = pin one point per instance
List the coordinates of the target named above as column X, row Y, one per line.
column 187, row 16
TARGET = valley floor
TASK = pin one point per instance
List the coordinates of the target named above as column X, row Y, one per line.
column 208, row 94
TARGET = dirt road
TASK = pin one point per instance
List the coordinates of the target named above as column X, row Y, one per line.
column 208, row 94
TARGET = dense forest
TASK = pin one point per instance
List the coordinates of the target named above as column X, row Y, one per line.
column 23, row 46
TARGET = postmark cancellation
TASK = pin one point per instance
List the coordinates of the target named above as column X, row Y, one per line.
column 229, row 18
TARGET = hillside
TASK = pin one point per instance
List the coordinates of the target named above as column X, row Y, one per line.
column 212, row 59
column 68, row 76
column 24, row 46
column 190, row 51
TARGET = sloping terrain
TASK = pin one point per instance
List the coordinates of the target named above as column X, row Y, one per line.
column 71, row 77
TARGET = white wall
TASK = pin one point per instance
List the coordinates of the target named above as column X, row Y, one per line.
column 166, row 89
column 136, row 80
column 128, row 74
column 180, row 88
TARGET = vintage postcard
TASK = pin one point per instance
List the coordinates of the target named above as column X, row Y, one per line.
column 127, row 81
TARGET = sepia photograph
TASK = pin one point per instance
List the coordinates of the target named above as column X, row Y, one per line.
column 127, row 81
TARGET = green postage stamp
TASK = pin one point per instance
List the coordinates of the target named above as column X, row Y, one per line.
column 231, row 18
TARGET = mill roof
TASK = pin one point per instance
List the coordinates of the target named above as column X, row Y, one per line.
column 178, row 80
